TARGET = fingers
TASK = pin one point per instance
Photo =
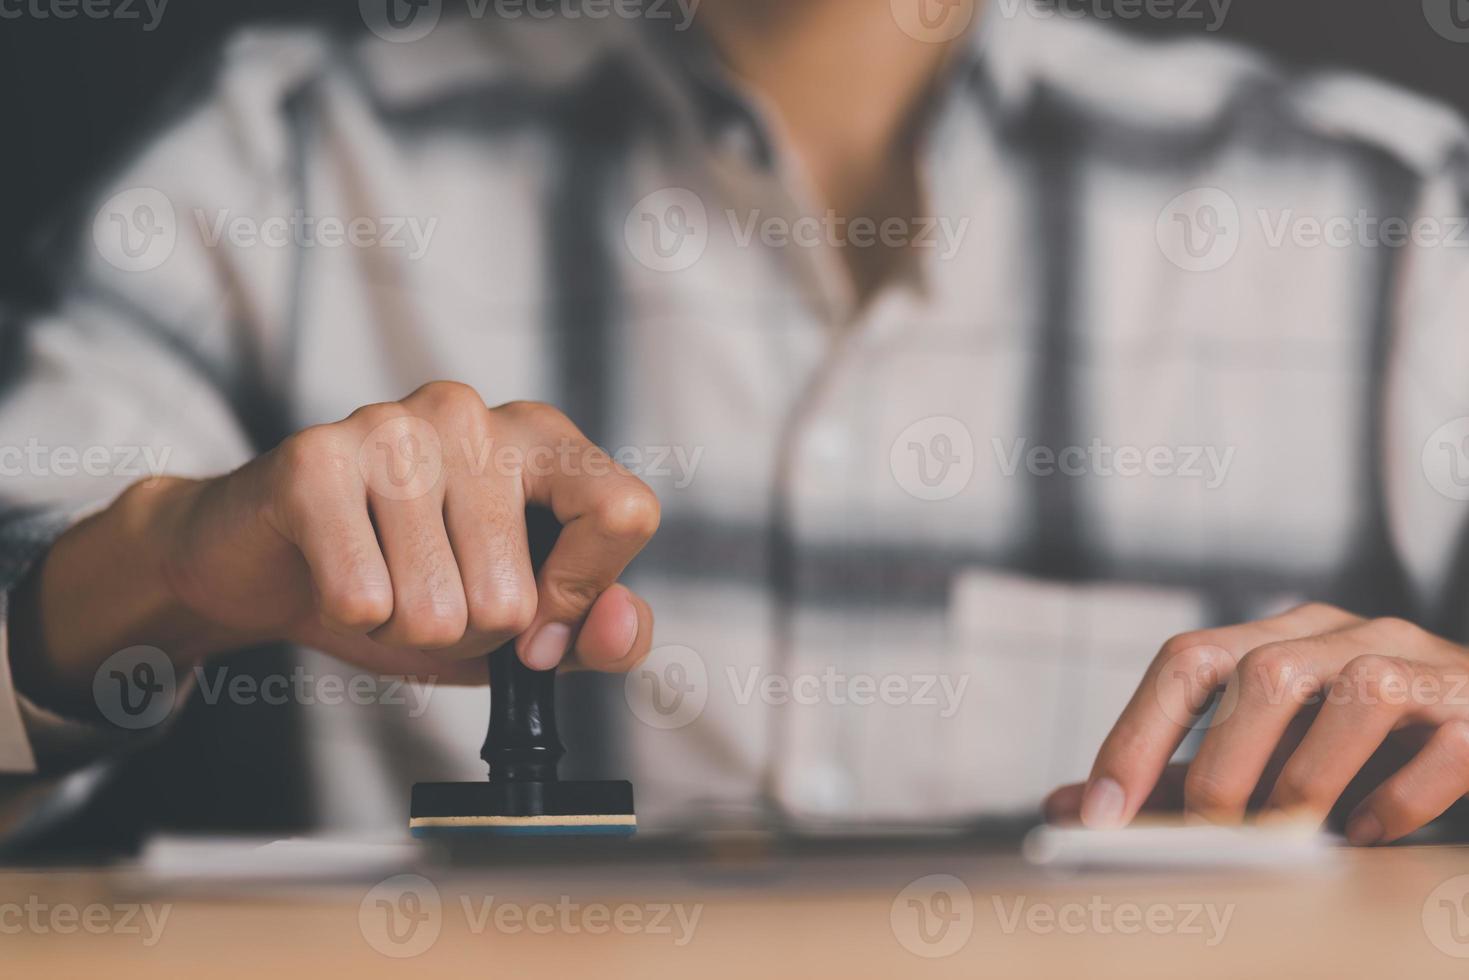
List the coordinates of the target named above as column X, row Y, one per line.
column 617, row 634
column 429, row 609
column 1366, row 702
column 607, row 515
column 1178, row 686
column 323, row 508
column 485, row 518
column 1431, row 782
column 1064, row 803
column 1270, row 687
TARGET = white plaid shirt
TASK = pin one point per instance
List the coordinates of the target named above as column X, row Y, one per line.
column 1161, row 365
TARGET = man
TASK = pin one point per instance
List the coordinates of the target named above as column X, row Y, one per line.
column 944, row 348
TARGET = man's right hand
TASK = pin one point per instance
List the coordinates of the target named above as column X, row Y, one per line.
column 394, row 539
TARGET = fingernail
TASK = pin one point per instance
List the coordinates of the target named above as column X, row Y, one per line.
column 548, row 646
column 629, row 632
column 1102, row 806
column 1364, row 829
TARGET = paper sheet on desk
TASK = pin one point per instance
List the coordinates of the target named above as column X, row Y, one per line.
column 252, row 860
column 1164, row 847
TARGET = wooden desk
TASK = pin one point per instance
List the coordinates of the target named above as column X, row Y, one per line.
column 1395, row 913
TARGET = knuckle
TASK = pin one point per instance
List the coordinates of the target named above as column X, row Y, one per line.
column 1195, row 656
column 1393, row 799
column 432, row 624
column 631, row 513
column 1292, row 788
column 1374, row 676
column 1274, row 667
column 453, row 400
column 528, row 411
column 1315, row 610
column 572, row 592
column 1205, row 792
column 1455, row 737
column 500, row 613
column 378, row 413
column 1395, row 631
column 359, row 608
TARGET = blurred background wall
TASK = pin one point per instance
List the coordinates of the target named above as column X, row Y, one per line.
column 74, row 93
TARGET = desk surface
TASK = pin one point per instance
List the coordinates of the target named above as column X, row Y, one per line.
column 1380, row 913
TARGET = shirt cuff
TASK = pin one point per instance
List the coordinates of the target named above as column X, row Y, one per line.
column 33, row 738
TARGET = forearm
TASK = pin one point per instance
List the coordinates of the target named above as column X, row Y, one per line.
column 101, row 588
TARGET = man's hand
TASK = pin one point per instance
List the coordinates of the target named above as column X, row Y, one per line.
column 1315, row 710
column 395, row 539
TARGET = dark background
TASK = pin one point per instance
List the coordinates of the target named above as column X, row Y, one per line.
column 73, row 92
